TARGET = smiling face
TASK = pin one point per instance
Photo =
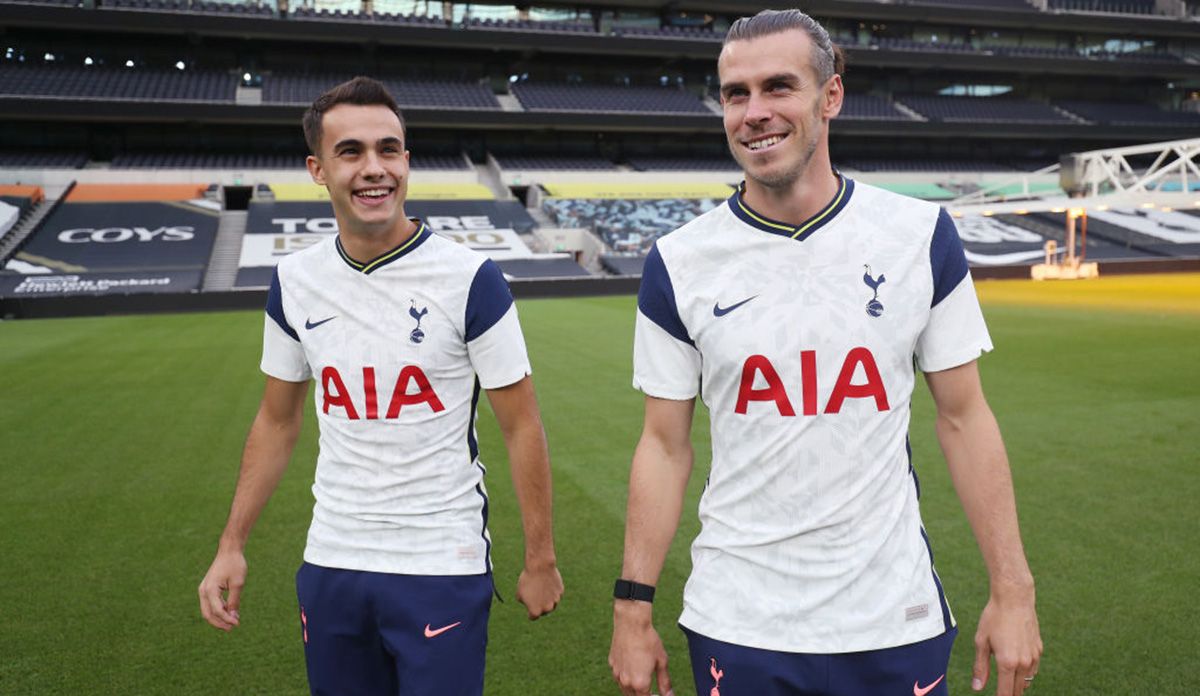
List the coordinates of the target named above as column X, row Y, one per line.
column 364, row 165
column 776, row 109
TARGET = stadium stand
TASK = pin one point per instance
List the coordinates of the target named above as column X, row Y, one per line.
column 493, row 24
column 901, row 44
column 922, row 165
column 541, row 268
column 290, row 88
column 553, row 162
column 116, row 83
column 1015, row 5
column 627, row 225
column 981, row 109
column 870, row 107
column 671, row 32
column 683, row 164
column 597, row 98
column 41, row 159
column 234, row 8
column 1138, row 7
column 623, row 265
column 1129, row 114
column 106, row 239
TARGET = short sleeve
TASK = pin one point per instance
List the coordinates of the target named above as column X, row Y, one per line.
column 282, row 356
column 495, row 343
column 666, row 363
column 956, row 332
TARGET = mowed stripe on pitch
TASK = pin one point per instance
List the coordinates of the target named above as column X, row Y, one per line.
column 1161, row 292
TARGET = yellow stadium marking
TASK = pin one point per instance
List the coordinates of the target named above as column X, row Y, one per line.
column 1160, row 292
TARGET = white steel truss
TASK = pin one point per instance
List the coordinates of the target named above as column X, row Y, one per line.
column 1101, row 179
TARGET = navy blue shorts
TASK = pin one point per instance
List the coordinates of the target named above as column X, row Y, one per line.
column 725, row 669
column 379, row 633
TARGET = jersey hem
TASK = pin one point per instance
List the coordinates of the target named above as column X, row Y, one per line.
column 852, row 643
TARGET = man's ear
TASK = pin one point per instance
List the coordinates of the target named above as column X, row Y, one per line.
column 835, row 93
column 315, row 170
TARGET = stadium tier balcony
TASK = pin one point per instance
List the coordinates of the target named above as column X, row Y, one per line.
column 898, row 44
column 869, row 107
column 684, row 164
column 669, row 32
column 1127, row 114
column 1137, row 7
column 116, row 83
column 1035, row 51
column 529, row 25
column 305, row 13
column 248, row 9
column 554, row 162
column 981, row 110
column 596, row 98
column 41, row 159
column 284, row 88
column 1016, row 5
column 205, row 160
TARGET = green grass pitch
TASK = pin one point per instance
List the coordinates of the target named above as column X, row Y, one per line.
column 119, row 446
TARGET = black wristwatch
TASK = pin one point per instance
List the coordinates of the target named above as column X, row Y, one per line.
column 628, row 589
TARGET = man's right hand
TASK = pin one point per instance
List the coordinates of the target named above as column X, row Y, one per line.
column 227, row 574
column 637, row 650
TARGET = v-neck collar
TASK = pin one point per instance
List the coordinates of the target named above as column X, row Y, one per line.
column 799, row 232
column 384, row 259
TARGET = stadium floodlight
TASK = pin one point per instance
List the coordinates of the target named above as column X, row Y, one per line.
column 180, row 65
column 88, row 60
column 49, row 57
column 129, row 63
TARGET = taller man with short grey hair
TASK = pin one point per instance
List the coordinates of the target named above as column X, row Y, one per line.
column 799, row 312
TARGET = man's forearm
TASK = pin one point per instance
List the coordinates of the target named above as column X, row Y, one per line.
column 530, row 465
column 657, row 483
column 980, row 470
column 264, row 459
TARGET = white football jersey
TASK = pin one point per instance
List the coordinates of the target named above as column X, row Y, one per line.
column 398, row 348
column 801, row 340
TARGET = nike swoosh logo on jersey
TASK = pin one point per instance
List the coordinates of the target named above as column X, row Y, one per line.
column 434, row 632
column 719, row 311
column 922, row 690
column 310, row 324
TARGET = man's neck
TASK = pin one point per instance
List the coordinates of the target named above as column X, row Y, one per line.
column 365, row 245
column 795, row 204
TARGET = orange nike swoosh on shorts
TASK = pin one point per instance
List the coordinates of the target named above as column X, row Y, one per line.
column 921, row 691
column 433, row 632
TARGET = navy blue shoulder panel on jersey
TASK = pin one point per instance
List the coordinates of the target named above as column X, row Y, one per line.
column 275, row 306
column 656, row 297
column 487, row 301
column 946, row 258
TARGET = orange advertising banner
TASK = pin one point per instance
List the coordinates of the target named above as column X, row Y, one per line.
column 115, row 193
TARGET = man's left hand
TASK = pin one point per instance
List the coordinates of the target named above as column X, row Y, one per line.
column 1008, row 629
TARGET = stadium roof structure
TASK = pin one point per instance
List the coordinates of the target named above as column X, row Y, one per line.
column 1098, row 180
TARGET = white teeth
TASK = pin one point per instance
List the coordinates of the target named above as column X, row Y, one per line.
column 765, row 142
column 373, row 193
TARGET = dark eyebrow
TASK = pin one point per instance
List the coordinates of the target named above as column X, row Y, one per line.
column 728, row 87
column 348, row 142
column 392, row 140
column 790, row 78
